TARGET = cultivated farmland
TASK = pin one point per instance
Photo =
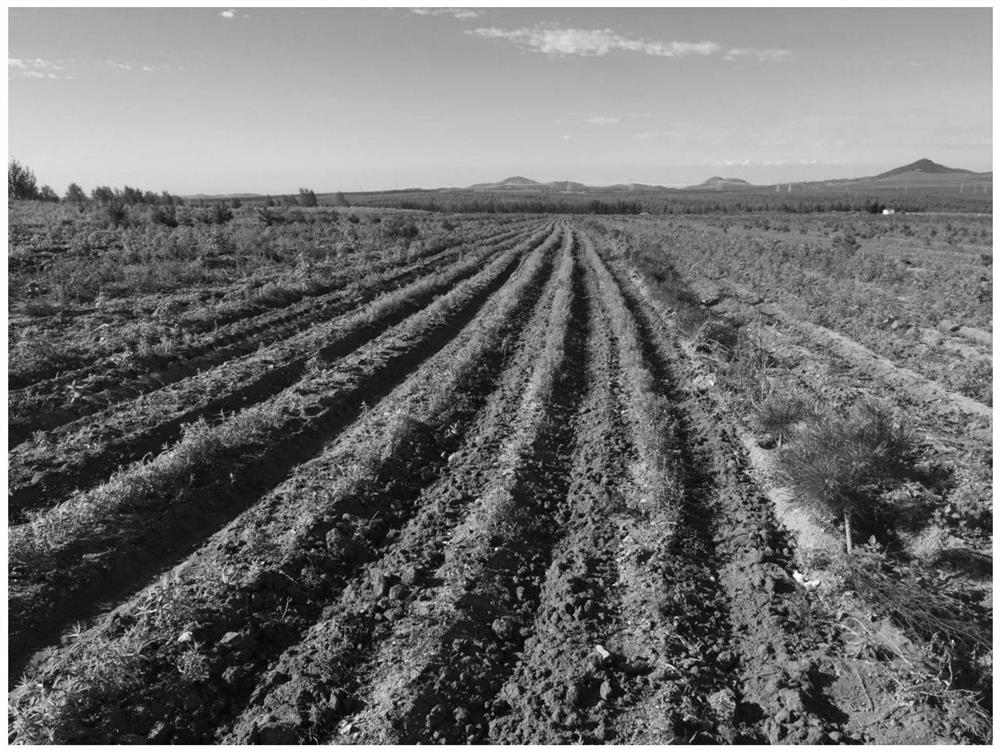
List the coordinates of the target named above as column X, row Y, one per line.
column 350, row 476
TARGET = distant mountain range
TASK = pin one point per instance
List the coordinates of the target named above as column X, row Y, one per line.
column 922, row 173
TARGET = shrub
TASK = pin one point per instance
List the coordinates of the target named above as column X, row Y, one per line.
column 840, row 466
column 397, row 227
column 307, row 197
column 221, row 214
column 166, row 216
column 115, row 214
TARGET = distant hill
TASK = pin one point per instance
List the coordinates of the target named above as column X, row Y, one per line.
column 923, row 166
column 520, row 183
column 514, row 182
column 922, row 174
column 223, row 196
column 716, row 182
column 567, row 186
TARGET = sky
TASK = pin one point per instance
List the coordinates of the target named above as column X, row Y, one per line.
column 265, row 100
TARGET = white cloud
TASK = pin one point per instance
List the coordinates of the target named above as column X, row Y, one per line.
column 603, row 120
column 763, row 56
column 461, row 13
column 591, row 42
column 229, row 13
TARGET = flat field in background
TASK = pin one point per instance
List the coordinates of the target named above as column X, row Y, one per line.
column 350, row 475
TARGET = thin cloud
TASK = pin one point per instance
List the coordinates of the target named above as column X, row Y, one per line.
column 603, row 120
column 556, row 41
column 35, row 64
column 762, row 56
column 38, row 68
column 134, row 66
column 461, row 13
column 229, row 13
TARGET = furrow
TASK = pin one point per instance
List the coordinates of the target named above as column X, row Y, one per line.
column 608, row 660
column 314, row 684
column 438, row 680
column 87, row 451
column 269, row 573
column 248, row 313
column 82, row 550
column 554, row 693
column 47, row 405
column 730, row 545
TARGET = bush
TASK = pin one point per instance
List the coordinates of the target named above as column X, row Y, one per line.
column 221, row 214
column 166, row 216
column 841, row 466
column 307, row 197
column 397, row 227
column 115, row 214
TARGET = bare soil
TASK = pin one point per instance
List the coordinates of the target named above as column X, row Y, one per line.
column 501, row 511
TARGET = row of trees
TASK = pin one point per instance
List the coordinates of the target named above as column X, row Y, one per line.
column 22, row 184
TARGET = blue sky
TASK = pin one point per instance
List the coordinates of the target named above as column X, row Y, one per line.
column 221, row 100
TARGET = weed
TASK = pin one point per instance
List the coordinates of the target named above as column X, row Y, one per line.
column 903, row 595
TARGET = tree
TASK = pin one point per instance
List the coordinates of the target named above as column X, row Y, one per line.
column 103, row 194
column 75, row 194
column 48, row 195
column 130, row 195
column 21, row 182
column 307, row 198
column 340, row 200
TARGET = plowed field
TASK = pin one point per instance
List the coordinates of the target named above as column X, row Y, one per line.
column 474, row 500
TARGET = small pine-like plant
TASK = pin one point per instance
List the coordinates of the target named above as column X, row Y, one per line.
column 778, row 414
column 840, row 466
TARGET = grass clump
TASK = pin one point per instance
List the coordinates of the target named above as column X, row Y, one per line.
column 841, row 466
